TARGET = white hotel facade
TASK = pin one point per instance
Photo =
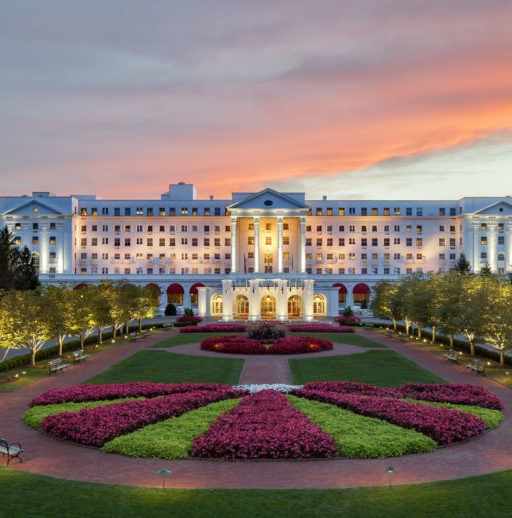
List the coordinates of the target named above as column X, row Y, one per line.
column 265, row 254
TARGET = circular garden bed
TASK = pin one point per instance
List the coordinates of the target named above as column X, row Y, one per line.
column 317, row 420
column 244, row 345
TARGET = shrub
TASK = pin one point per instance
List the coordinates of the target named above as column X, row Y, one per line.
column 266, row 332
column 319, row 328
column 170, row 310
column 215, row 328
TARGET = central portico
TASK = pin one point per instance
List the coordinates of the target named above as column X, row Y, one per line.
column 268, row 232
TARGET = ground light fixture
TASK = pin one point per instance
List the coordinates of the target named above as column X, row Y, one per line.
column 390, row 470
column 164, row 473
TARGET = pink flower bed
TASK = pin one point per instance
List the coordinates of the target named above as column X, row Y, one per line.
column 458, row 393
column 216, row 328
column 352, row 320
column 245, row 345
column 96, row 426
column 444, row 425
column 89, row 392
column 264, row 426
column 191, row 319
column 319, row 328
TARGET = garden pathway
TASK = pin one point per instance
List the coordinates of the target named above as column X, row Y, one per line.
column 488, row 453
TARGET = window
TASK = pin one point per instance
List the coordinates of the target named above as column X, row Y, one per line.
column 442, row 241
column 419, row 257
column 139, row 241
column 227, row 241
column 375, row 212
column 341, row 241
column 352, row 228
column 442, row 257
column 352, row 211
column 117, row 211
column 396, row 256
column 149, row 211
column 184, row 241
column 364, row 242
column 364, row 257
column 150, row 241
column 268, row 240
column 127, row 211
column 483, row 226
column 419, row 229
column 419, row 211
column 341, row 211
column 441, row 228
column 408, row 211
column 408, row 228
column 286, row 240
column 161, row 211
column 408, row 241
column 150, row 228
column 319, row 228
column 374, row 228
column 127, row 241
column 217, row 213
column 419, row 241
column 452, row 211
column 501, row 240
column 396, row 241
column 483, row 240
column 184, row 228
column 364, row 212
column 127, row 228
column 161, row 228
column 53, row 240
column 442, row 212
column 35, row 226
column 206, row 241
column 341, row 228
column 53, row 226
column 396, row 211
column 319, row 212
column 396, row 228
column 352, row 241
column 452, row 242
column 319, row 241
column 329, row 241
column 216, row 241
column 341, row 257
column 329, row 211
column 172, row 241
column 375, row 241
column 363, row 228
column 352, row 256
column 501, row 227
column 408, row 257
column 94, row 241
column 35, row 240
column 161, row 241
column 386, row 211
column 386, row 241
column 268, row 226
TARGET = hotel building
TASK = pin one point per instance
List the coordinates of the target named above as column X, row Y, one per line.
column 265, row 254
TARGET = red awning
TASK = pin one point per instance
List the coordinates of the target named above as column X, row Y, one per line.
column 175, row 289
column 341, row 287
column 193, row 289
column 361, row 289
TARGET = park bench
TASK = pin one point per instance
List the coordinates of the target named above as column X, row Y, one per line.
column 145, row 332
column 79, row 356
column 166, row 325
column 13, row 450
column 389, row 332
column 452, row 355
column 477, row 366
column 57, row 365
column 132, row 337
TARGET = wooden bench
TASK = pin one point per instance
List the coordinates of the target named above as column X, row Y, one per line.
column 389, row 332
column 13, row 450
column 452, row 355
column 477, row 366
column 79, row 356
column 132, row 337
column 145, row 332
column 56, row 365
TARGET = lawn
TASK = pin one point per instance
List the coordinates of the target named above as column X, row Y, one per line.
column 187, row 338
column 25, row 494
column 382, row 368
column 164, row 367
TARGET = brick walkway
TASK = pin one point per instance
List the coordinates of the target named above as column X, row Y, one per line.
column 488, row 453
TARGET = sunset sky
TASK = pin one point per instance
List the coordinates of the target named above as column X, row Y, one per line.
column 361, row 99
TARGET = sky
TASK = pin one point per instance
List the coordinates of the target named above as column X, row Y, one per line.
column 353, row 99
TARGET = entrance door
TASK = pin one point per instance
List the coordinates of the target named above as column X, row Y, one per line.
column 268, row 307
column 294, row 307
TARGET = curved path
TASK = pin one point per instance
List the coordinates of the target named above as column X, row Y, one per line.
column 488, row 453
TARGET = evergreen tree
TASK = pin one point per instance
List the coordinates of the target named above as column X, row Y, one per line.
column 463, row 265
column 25, row 274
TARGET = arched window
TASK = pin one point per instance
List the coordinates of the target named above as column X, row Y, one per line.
column 294, row 307
column 175, row 293
column 319, row 306
column 217, row 306
column 361, row 293
column 193, row 292
column 241, row 307
column 268, row 307
column 342, row 292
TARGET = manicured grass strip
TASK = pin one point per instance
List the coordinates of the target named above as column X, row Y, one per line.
column 33, row 416
column 170, row 439
column 382, row 368
column 363, row 437
column 187, row 338
column 26, row 375
column 347, row 338
column 28, row 495
column 161, row 366
column 492, row 418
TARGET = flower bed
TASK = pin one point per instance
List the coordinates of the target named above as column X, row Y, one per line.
column 319, row 328
column 119, row 390
column 245, row 345
column 264, row 426
column 95, row 426
column 443, row 425
column 215, row 328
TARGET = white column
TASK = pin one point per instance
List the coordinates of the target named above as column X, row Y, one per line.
column 476, row 247
column 234, row 259
column 254, row 300
column 227, row 300
column 508, row 247
column 307, row 299
column 256, row 244
column 491, row 245
column 279, row 244
column 302, row 265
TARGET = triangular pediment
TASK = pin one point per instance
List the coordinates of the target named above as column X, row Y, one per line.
column 502, row 207
column 269, row 200
column 33, row 207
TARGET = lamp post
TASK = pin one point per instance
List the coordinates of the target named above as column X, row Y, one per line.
column 164, row 473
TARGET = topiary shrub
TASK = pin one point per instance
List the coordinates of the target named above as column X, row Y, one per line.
column 170, row 310
column 266, row 331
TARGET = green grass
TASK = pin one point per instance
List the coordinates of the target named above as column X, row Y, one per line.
column 170, row 439
column 25, row 376
column 347, row 338
column 361, row 437
column 382, row 368
column 187, row 338
column 164, row 367
column 28, row 495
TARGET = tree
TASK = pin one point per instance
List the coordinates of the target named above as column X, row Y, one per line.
column 82, row 321
column 448, row 301
column 497, row 320
column 463, row 265
column 102, row 303
column 385, row 303
column 27, row 325
column 59, row 313
column 17, row 267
